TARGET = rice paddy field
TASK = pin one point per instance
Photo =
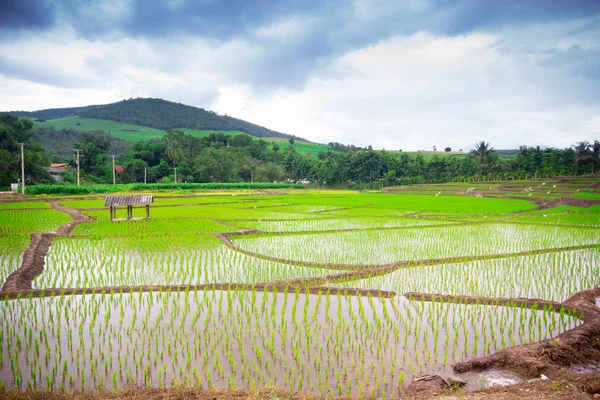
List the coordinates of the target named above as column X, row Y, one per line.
column 304, row 289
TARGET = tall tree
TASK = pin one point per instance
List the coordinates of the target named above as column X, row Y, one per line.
column 174, row 151
column 482, row 151
column 584, row 153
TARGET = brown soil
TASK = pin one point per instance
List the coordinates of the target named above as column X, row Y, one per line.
column 574, row 388
column 544, row 204
column 576, row 346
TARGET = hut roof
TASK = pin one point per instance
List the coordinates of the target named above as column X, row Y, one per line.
column 131, row 200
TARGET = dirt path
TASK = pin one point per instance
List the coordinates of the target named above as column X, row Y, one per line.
column 34, row 257
column 77, row 215
column 32, row 264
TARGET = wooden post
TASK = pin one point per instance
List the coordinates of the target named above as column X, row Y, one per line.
column 147, row 211
column 129, row 212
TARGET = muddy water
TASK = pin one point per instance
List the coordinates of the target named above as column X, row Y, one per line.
column 340, row 345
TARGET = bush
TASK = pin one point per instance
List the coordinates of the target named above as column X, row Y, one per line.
column 91, row 189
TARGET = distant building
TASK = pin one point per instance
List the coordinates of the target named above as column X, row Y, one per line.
column 57, row 170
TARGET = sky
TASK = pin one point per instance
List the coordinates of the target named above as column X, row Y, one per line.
column 394, row 74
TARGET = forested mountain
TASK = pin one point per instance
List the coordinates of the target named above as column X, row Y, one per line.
column 158, row 114
column 51, row 113
column 162, row 114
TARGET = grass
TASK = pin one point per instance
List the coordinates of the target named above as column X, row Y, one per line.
column 130, row 132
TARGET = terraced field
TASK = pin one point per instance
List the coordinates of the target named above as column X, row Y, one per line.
column 340, row 293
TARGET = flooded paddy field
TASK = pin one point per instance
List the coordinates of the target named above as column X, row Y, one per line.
column 336, row 293
column 345, row 345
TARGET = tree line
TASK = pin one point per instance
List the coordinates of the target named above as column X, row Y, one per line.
column 222, row 158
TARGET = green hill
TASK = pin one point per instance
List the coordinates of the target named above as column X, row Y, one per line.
column 136, row 133
column 158, row 114
column 165, row 115
column 50, row 113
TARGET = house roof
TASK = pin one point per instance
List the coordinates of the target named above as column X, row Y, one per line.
column 57, row 165
column 131, row 200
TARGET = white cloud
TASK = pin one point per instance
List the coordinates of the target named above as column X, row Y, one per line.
column 423, row 90
column 409, row 92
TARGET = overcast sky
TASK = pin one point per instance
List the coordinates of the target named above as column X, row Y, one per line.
column 396, row 74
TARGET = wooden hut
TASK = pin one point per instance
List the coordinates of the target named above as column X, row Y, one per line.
column 128, row 201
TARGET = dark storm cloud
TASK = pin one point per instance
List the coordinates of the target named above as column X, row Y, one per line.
column 224, row 20
column 469, row 15
column 328, row 28
column 26, row 15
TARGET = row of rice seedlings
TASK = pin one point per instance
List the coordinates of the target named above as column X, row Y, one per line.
column 171, row 201
column 24, row 204
column 152, row 226
column 385, row 246
column 550, row 276
column 590, row 219
column 11, row 254
column 128, row 261
column 304, row 208
column 182, row 212
column 30, row 221
column 330, row 344
column 322, row 224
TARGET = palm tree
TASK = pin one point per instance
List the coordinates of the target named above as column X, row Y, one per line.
column 175, row 154
column 482, row 150
column 584, row 152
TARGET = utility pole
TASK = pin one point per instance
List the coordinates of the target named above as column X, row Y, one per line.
column 175, row 168
column 22, row 170
column 77, row 162
column 113, row 158
column 144, row 175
